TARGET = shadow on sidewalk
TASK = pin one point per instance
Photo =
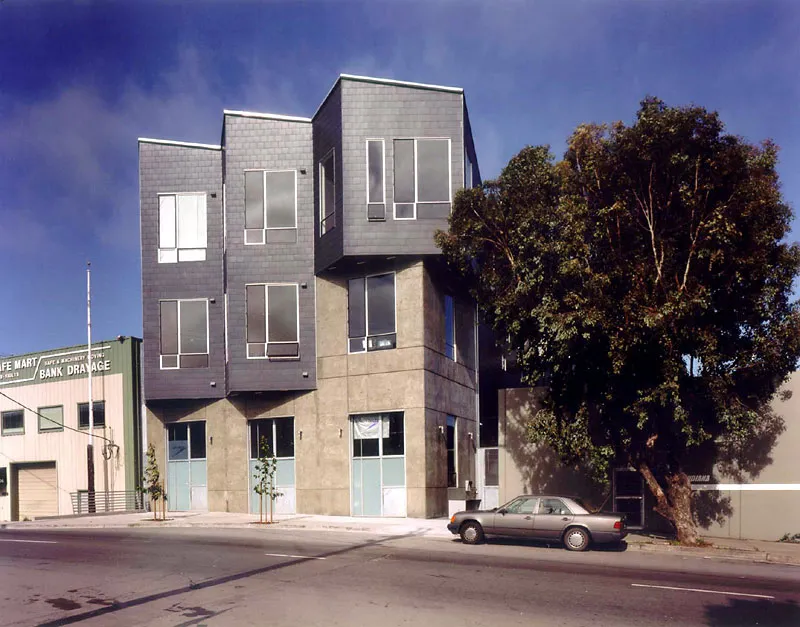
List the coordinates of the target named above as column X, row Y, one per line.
column 741, row 612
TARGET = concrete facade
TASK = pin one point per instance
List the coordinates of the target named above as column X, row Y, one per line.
column 325, row 386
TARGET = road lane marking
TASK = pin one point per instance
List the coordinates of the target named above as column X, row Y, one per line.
column 31, row 541
column 736, row 594
column 301, row 557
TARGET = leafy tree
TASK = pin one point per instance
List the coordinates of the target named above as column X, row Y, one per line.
column 644, row 281
column 152, row 482
column 266, row 467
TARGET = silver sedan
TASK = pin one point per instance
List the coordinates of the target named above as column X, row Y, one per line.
column 554, row 518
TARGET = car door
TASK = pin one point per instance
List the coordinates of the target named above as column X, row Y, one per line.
column 515, row 518
column 552, row 517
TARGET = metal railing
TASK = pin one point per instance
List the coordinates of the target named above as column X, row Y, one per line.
column 128, row 501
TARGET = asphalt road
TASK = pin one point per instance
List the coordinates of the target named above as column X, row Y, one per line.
column 182, row 577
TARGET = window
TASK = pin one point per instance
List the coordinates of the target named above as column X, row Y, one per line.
column 523, row 505
column 467, row 171
column 421, row 178
column 270, row 203
column 51, row 418
column 449, row 327
column 98, row 415
column 272, row 321
column 492, row 467
column 13, row 422
column 376, row 189
column 371, row 319
column 327, row 193
column 186, row 440
column 553, row 506
column 184, row 334
column 378, row 435
column 279, row 434
column 181, row 227
column 452, row 476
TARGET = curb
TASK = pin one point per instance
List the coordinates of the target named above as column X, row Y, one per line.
column 712, row 552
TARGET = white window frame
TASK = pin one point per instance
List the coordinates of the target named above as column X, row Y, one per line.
column 162, row 258
column 266, row 321
column 179, row 353
column 383, row 167
column 416, row 176
column 366, row 314
column 320, row 173
column 274, row 419
column 264, row 206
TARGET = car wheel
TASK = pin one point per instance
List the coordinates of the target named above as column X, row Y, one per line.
column 471, row 533
column 576, row 539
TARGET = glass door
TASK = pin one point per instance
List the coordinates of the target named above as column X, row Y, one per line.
column 378, row 481
column 187, row 485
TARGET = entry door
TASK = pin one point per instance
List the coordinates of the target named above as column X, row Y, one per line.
column 37, row 490
column 486, row 464
column 552, row 517
column 187, row 485
column 279, row 436
column 378, row 481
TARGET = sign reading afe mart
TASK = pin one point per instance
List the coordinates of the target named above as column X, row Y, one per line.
column 54, row 366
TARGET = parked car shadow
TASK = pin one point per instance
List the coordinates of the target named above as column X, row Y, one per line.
column 740, row 612
column 504, row 541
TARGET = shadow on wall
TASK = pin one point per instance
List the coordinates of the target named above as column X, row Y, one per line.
column 745, row 612
column 540, row 470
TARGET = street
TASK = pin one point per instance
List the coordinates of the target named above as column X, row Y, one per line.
column 182, row 577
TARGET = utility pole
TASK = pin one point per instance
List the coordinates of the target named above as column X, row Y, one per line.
column 90, row 446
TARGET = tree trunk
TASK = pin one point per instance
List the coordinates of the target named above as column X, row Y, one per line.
column 154, row 505
column 676, row 504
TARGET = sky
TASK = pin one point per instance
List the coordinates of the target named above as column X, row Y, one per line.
column 80, row 82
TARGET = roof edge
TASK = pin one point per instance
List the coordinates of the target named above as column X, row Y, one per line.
column 266, row 116
column 170, row 142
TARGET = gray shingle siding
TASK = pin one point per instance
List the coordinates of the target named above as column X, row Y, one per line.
column 377, row 111
column 255, row 143
column 328, row 135
column 165, row 169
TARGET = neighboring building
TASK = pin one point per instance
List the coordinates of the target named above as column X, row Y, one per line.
column 44, row 420
column 292, row 290
column 763, row 505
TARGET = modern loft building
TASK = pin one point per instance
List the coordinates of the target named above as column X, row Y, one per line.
column 292, row 291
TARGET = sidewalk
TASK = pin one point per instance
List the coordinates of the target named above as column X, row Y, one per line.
column 722, row 548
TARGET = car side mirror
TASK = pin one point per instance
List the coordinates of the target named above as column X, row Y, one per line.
column 501, row 511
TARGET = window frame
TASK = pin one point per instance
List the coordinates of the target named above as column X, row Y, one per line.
column 39, row 419
column 95, row 403
column 177, row 248
column 187, row 424
column 323, row 217
column 266, row 322
column 448, row 419
column 180, row 353
column 6, row 432
column 266, row 228
column 388, row 413
column 367, row 336
column 450, row 347
column 383, row 170
column 417, row 202
column 273, row 444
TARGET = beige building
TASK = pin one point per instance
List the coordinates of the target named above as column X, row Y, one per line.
column 44, row 432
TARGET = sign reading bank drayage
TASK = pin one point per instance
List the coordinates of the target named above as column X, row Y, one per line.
column 53, row 366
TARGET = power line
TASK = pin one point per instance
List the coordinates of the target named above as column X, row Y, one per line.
column 55, row 422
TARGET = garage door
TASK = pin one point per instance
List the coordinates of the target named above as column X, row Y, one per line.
column 37, row 491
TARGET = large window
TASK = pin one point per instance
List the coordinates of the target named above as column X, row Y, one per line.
column 452, row 476
column 376, row 188
column 186, row 440
column 327, row 193
column 270, row 201
column 184, row 333
column 272, row 321
column 98, row 414
column 51, row 418
column 449, row 327
column 421, row 178
column 371, row 315
column 378, row 435
column 279, row 434
column 181, row 227
column 13, row 422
